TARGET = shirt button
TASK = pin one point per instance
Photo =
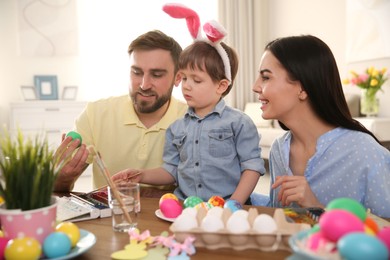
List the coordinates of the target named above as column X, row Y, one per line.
column 196, row 164
column 196, row 141
column 199, row 185
column 199, row 121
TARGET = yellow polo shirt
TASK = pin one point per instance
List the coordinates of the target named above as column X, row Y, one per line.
column 113, row 127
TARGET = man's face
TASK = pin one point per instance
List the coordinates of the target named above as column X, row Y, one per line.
column 151, row 79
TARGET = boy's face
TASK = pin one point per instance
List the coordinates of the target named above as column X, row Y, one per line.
column 152, row 78
column 200, row 92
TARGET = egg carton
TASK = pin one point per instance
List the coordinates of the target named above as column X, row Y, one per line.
column 223, row 238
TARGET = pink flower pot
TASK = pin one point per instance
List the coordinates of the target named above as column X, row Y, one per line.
column 37, row 223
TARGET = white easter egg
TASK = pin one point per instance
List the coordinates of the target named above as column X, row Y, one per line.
column 185, row 223
column 217, row 211
column 212, row 223
column 237, row 224
column 241, row 213
column 264, row 224
column 190, row 211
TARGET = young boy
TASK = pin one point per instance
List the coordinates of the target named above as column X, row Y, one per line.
column 214, row 149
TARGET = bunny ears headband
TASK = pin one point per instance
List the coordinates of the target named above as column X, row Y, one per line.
column 213, row 30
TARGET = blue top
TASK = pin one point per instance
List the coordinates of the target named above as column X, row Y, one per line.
column 347, row 163
column 206, row 156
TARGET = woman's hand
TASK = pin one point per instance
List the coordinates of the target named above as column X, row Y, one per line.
column 128, row 175
column 295, row 189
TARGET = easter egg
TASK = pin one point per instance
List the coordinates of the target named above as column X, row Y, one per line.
column 23, row 248
column 338, row 222
column 3, row 244
column 192, row 201
column 216, row 201
column 204, row 205
column 233, row 205
column 384, row 236
column 185, row 223
column 317, row 241
column 212, row 223
column 168, row 196
column 362, row 246
column 236, row 224
column 350, row 205
column 74, row 136
column 264, row 224
column 171, row 208
column 372, row 225
column 71, row 230
column 56, row 244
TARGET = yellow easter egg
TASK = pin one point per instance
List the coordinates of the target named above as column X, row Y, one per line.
column 23, row 248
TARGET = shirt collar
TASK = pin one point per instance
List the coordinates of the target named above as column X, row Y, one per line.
column 218, row 109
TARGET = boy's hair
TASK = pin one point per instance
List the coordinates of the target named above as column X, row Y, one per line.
column 201, row 55
column 156, row 39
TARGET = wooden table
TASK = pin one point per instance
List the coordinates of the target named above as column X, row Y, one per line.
column 109, row 241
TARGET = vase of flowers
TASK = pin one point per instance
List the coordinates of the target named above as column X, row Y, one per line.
column 370, row 82
column 28, row 170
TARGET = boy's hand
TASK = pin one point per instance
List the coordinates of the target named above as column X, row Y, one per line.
column 128, row 175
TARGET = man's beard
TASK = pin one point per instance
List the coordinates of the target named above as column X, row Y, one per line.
column 148, row 107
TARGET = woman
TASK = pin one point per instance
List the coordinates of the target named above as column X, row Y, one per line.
column 326, row 154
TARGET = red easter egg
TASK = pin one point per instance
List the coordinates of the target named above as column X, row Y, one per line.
column 171, row 208
column 338, row 222
column 384, row 236
column 216, row 201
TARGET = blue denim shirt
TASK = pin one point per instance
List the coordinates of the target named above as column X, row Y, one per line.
column 206, row 156
column 347, row 163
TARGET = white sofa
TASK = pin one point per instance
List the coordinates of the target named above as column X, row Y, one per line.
column 269, row 130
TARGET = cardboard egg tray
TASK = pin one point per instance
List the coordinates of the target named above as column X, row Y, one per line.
column 249, row 240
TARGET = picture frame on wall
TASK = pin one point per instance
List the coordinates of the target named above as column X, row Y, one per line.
column 29, row 92
column 47, row 88
column 69, row 93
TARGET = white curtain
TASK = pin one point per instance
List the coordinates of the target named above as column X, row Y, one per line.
column 245, row 22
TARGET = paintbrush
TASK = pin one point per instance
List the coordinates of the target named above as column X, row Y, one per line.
column 111, row 184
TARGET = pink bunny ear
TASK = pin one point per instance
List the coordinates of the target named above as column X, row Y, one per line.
column 214, row 31
column 181, row 11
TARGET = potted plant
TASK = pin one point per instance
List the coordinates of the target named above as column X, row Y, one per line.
column 28, row 171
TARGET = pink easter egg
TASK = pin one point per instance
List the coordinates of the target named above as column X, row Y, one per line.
column 384, row 236
column 171, row 208
column 3, row 244
column 338, row 222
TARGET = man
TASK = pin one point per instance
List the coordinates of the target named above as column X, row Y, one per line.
column 129, row 131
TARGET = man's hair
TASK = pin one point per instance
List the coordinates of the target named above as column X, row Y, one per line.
column 201, row 55
column 156, row 39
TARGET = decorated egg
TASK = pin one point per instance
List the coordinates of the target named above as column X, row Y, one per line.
column 185, row 223
column 338, row 222
column 71, row 230
column 216, row 201
column 23, row 248
column 211, row 223
column 233, row 205
column 204, row 205
column 236, row 224
column 74, row 136
column 371, row 225
column 362, row 246
column 56, row 244
column 192, row 201
column 384, row 236
column 168, row 196
column 264, row 224
column 350, row 205
column 317, row 241
column 171, row 208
